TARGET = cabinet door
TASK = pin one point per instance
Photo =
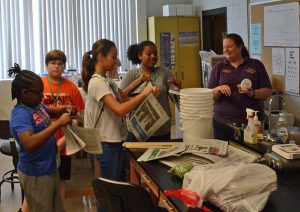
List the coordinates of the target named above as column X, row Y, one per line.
column 163, row 32
column 188, row 51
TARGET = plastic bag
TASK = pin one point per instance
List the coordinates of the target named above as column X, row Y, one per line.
column 190, row 198
column 181, row 169
column 233, row 187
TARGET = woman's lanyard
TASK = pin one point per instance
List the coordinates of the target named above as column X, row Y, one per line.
column 52, row 93
column 154, row 75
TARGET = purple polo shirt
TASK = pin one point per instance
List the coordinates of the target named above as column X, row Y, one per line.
column 229, row 109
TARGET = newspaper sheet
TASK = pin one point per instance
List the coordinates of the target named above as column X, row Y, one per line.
column 234, row 155
column 205, row 148
column 148, row 118
column 174, row 93
column 175, row 97
column 78, row 138
column 139, row 88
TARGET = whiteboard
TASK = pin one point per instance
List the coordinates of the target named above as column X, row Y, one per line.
column 281, row 25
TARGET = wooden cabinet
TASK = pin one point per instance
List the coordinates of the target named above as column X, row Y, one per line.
column 178, row 44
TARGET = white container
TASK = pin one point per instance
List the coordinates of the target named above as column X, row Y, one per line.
column 196, row 128
column 282, row 128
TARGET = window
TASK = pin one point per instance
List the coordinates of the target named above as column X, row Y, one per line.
column 31, row 28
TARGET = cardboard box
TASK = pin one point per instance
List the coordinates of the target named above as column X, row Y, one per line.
column 189, row 10
column 178, row 10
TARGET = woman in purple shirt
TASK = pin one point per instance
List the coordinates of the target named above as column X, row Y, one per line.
column 230, row 103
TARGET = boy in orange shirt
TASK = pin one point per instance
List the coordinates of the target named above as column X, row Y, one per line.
column 59, row 91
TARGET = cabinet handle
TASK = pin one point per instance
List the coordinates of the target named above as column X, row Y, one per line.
column 182, row 76
column 146, row 178
column 169, row 207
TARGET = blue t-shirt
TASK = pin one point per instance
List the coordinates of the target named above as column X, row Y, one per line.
column 42, row 161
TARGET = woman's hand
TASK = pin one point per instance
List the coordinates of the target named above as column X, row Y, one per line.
column 64, row 119
column 145, row 77
column 224, row 89
column 71, row 110
column 148, row 89
column 175, row 81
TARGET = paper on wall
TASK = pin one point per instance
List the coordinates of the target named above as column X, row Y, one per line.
column 278, row 61
column 292, row 70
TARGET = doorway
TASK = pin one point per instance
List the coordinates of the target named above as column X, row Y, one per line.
column 214, row 25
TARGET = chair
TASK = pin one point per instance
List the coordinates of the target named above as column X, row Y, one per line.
column 115, row 196
column 10, row 148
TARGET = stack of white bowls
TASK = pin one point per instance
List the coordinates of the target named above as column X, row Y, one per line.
column 196, row 112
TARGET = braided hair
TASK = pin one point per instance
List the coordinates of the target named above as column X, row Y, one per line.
column 23, row 79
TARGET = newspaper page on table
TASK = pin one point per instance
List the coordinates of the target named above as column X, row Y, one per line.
column 205, row 148
column 234, row 155
column 148, row 118
column 87, row 139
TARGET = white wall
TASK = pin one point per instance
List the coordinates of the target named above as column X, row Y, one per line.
column 237, row 14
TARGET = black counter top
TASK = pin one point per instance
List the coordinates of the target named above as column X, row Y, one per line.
column 286, row 198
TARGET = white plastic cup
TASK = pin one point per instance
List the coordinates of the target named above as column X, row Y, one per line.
column 246, row 84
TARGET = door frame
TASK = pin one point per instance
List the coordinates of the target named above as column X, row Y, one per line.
column 207, row 27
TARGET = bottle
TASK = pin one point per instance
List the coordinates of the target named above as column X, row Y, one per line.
column 250, row 132
column 73, row 76
column 282, row 128
column 257, row 123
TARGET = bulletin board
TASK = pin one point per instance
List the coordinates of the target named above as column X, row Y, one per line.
column 257, row 17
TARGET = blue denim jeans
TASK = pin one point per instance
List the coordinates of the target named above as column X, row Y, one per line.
column 111, row 161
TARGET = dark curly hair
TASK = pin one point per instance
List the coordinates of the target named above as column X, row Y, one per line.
column 135, row 50
column 23, row 79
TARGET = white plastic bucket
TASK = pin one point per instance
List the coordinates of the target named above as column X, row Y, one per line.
column 195, row 91
column 196, row 128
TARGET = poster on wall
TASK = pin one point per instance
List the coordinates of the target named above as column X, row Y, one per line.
column 188, row 39
column 278, row 61
column 167, row 50
column 255, row 38
column 281, row 25
column 292, row 70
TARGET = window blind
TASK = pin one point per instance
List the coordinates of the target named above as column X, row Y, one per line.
column 31, row 28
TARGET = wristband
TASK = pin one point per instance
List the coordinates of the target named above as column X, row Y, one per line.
column 253, row 95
